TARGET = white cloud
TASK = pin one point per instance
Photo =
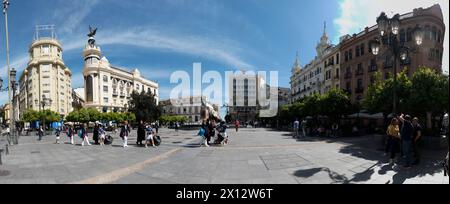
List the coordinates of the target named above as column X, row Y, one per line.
column 73, row 13
column 355, row 15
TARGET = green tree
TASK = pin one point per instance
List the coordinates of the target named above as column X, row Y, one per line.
column 334, row 104
column 30, row 115
column 73, row 116
column 144, row 106
column 428, row 84
column 379, row 96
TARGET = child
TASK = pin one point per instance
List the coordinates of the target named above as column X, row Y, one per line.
column 149, row 136
column 58, row 132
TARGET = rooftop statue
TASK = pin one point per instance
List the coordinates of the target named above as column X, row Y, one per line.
column 91, row 34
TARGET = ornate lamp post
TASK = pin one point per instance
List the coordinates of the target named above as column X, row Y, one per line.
column 392, row 46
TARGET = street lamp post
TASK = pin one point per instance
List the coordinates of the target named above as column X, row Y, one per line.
column 5, row 12
column 389, row 30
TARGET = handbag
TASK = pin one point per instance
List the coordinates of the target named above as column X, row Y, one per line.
column 201, row 133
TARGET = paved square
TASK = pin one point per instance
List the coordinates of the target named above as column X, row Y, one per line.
column 254, row 156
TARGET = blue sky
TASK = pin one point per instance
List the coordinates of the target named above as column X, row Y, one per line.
column 161, row 36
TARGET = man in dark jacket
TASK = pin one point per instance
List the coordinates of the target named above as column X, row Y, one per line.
column 407, row 132
column 140, row 133
column 95, row 134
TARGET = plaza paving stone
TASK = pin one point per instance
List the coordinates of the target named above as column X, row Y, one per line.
column 254, row 156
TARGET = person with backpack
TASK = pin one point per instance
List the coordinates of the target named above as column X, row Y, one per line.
column 406, row 133
column 84, row 135
column 124, row 133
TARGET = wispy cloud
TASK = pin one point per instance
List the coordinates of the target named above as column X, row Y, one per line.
column 355, row 15
column 73, row 13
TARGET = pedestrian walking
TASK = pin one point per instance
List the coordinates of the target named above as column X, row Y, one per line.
column 124, row 133
column 157, row 127
column 406, row 133
column 40, row 132
column 334, row 130
column 237, row 124
column 140, row 133
column 304, row 126
column 95, row 134
column 101, row 135
column 417, row 136
column 70, row 133
column 84, row 135
column 57, row 133
column 393, row 133
column 296, row 128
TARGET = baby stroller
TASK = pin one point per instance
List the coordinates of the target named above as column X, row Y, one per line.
column 109, row 140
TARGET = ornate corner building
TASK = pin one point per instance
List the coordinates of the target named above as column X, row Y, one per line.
column 46, row 76
column 359, row 65
column 109, row 88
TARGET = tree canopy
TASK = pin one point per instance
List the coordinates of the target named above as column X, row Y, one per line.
column 144, row 106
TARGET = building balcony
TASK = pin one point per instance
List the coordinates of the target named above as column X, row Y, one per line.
column 373, row 68
column 122, row 95
column 359, row 73
column 115, row 94
column 359, row 90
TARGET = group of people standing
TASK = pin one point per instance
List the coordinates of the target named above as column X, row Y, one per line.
column 300, row 126
column 209, row 129
column 404, row 135
column 148, row 133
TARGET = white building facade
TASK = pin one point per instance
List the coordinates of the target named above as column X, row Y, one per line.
column 46, row 76
column 311, row 78
column 109, row 88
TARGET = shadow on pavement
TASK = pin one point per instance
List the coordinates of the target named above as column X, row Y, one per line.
column 334, row 176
